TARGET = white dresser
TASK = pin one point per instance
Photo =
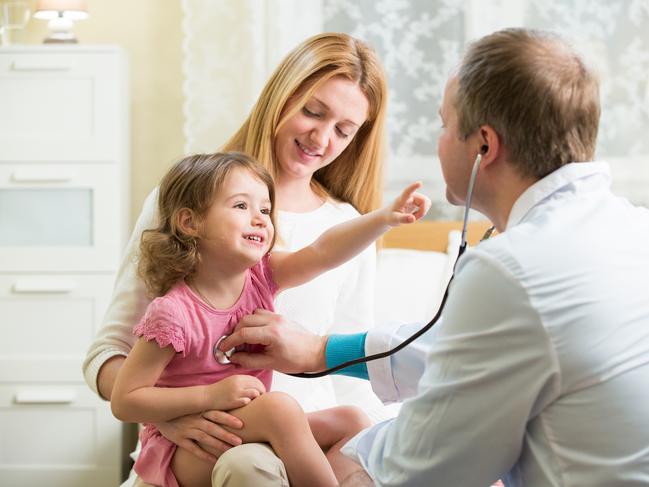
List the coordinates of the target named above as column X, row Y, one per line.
column 63, row 218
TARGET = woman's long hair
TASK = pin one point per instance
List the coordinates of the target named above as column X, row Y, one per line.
column 356, row 175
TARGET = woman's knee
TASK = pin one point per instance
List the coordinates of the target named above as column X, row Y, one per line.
column 249, row 464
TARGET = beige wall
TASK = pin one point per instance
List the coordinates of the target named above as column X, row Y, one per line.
column 150, row 33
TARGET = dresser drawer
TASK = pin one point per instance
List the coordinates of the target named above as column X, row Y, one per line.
column 57, row 435
column 60, row 218
column 47, row 323
column 62, row 104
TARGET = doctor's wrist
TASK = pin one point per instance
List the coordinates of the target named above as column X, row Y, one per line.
column 345, row 348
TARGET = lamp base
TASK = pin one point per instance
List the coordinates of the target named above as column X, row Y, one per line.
column 60, row 31
column 61, row 39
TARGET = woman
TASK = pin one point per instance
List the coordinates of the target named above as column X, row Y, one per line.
column 318, row 126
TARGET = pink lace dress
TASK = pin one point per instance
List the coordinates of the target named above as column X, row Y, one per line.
column 191, row 327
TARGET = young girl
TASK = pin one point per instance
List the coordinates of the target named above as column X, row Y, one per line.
column 208, row 260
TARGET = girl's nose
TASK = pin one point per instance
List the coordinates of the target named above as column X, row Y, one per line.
column 259, row 219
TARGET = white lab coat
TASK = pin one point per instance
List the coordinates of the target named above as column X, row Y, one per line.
column 538, row 372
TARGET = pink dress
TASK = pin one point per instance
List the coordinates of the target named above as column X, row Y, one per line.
column 182, row 320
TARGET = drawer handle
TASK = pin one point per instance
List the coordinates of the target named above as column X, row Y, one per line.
column 32, row 66
column 45, row 397
column 43, row 285
column 26, row 176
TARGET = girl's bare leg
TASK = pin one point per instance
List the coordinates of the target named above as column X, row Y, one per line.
column 334, row 427
column 358, row 479
column 278, row 419
column 190, row 470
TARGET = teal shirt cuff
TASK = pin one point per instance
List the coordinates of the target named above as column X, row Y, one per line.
column 342, row 348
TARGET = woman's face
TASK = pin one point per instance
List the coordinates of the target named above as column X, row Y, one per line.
column 320, row 130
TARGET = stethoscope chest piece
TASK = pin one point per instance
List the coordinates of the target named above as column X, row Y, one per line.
column 222, row 357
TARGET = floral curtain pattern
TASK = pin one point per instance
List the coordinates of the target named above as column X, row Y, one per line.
column 231, row 47
column 420, row 41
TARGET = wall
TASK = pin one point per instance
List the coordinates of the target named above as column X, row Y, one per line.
column 150, row 33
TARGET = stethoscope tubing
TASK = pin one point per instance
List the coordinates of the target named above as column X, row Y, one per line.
column 392, row 351
column 431, row 323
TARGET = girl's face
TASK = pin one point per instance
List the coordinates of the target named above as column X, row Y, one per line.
column 237, row 228
column 321, row 130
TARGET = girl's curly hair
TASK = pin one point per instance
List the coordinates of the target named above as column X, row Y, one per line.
column 167, row 254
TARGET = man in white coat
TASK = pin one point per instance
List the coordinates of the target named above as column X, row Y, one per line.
column 538, row 372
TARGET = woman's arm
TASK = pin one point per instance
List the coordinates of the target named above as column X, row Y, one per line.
column 107, row 375
column 135, row 397
column 344, row 241
column 115, row 339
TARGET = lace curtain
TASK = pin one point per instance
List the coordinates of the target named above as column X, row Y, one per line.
column 231, row 47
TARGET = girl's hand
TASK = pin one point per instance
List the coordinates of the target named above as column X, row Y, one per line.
column 203, row 435
column 233, row 392
column 409, row 207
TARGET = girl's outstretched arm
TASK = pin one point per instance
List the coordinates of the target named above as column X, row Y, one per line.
column 344, row 241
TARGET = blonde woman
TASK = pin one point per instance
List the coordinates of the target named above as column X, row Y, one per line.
column 318, row 127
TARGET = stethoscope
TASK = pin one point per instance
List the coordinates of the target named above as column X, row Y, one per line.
column 224, row 357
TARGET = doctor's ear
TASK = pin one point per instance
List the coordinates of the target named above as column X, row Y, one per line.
column 489, row 143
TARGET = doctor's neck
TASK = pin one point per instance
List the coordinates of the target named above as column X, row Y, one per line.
column 498, row 189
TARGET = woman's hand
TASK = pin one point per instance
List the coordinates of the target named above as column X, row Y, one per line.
column 204, row 435
column 233, row 392
column 409, row 206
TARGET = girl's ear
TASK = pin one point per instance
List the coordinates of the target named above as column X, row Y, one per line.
column 188, row 222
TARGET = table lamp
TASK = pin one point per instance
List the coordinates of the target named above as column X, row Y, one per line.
column 61, row 14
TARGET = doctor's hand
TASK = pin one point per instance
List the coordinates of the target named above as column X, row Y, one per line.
column 288, row 348
column 204, row 434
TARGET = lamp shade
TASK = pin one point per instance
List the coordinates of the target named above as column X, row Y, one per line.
column 71, row 9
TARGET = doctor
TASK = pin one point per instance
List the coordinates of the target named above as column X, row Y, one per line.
column 539, row 371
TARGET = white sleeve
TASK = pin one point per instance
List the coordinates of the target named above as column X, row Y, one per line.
column 396, row 378
column 127, row 305
column 490, row 368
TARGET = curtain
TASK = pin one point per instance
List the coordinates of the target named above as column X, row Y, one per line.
column 420, row 41
column 231, row 47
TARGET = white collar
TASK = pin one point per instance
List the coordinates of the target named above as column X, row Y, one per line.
column 553, row 182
